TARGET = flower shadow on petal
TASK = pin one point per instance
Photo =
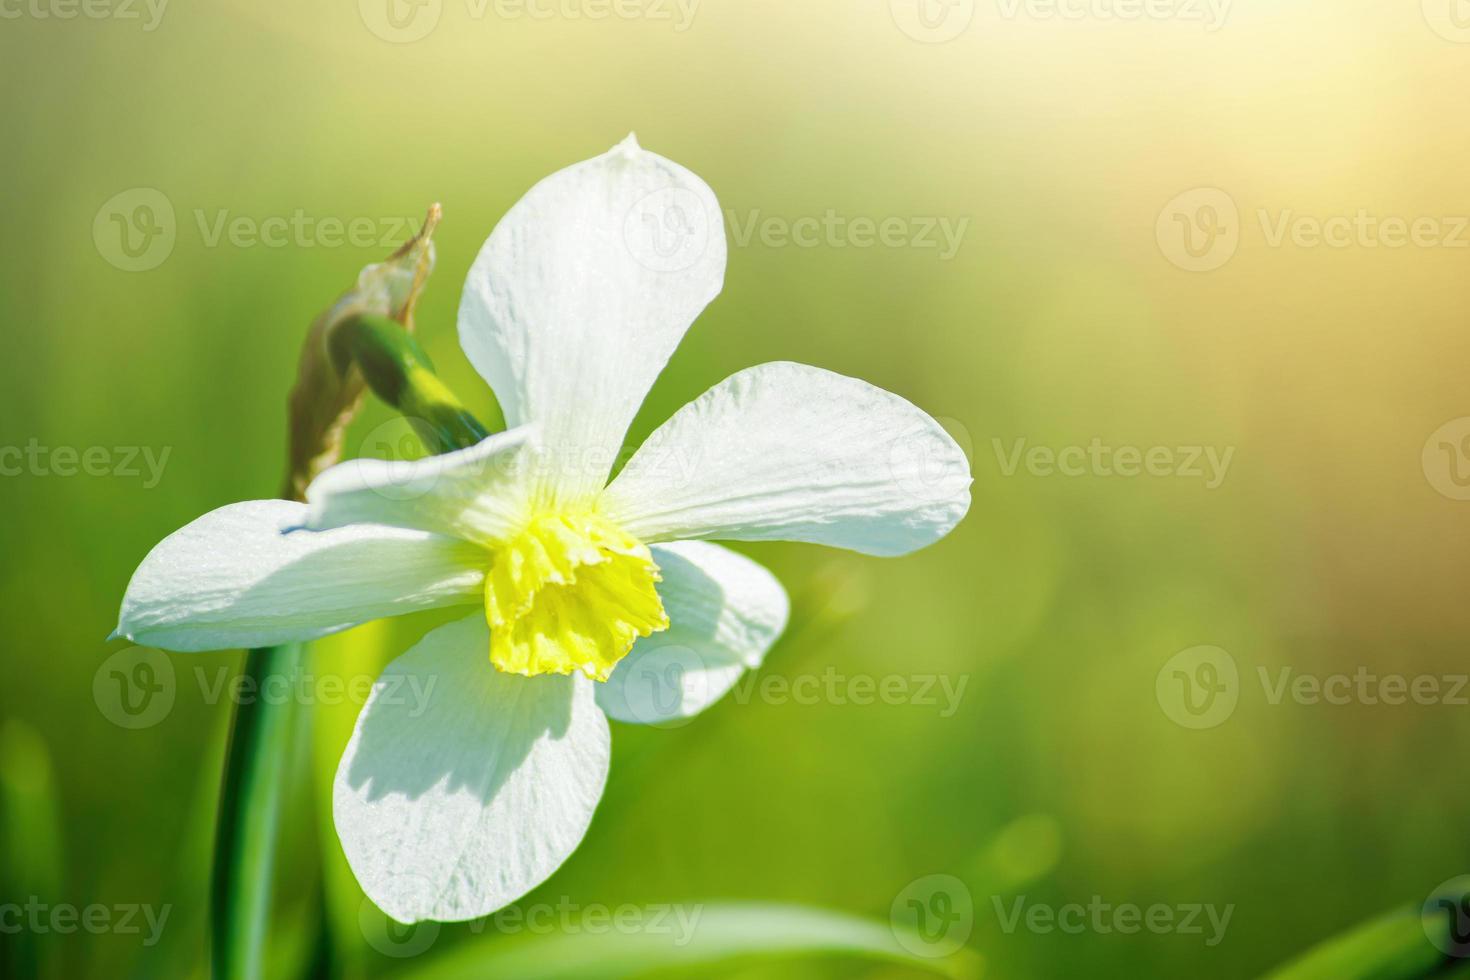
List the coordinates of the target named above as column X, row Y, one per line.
column 671, row 676
column 441, row 718
column 463, row 787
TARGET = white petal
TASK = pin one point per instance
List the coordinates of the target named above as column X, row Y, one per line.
column 789, row 452
column 725, row 611
column 580, row 295
column 463, row 788
column 474, row 494
column 233, row 578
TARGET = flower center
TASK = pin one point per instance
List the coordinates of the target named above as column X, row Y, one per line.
column 570, row 592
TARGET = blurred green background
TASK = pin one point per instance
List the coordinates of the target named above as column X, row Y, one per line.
column 1071, row 310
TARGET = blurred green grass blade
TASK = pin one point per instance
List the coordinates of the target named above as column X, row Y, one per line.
column 1406, row 944
column 1023, row 851
column 30, row 843
column 181, row 951
column 293, row 939
column 725, row 933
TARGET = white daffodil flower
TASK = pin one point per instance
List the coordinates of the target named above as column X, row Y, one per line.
column 452, row 809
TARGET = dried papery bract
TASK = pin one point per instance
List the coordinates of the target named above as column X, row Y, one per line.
column 323, row 401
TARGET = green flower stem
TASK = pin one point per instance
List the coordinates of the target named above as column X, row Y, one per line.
column 250, row 806
column 258, row 761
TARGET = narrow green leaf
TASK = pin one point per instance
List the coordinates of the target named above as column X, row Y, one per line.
column 724, row 933
column 1407, row 944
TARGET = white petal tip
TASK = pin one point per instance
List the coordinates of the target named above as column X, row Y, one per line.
column 628, row 149
column 116, row 634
